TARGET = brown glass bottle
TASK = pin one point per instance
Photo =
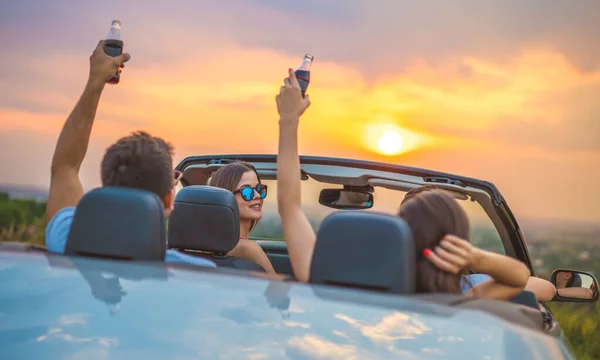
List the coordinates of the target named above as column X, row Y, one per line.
column 113, row 46
column 303, row 72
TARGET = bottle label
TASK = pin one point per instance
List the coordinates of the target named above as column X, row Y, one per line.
column 113, row 47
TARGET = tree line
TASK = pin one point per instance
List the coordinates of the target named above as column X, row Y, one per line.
column 21, row 220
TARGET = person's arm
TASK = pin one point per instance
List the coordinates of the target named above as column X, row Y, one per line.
column 250, row 250
column 543, row 289
column 65, row 187
column 508, row 276
column 299, row 234
column 576, row 292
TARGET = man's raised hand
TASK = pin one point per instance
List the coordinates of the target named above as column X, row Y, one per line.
column 104, row 67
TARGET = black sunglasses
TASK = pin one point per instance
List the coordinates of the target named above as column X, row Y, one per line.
column 247, row 191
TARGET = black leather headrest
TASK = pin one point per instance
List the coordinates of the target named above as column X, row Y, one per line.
column 365, row 250
column 119, row 222
column 206, row 218
column 526, row 298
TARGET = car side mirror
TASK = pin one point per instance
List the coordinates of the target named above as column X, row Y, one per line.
column 574, row 286
column 346, row 199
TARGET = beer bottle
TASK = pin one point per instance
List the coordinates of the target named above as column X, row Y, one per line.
column 303, row 72
column 113, row 46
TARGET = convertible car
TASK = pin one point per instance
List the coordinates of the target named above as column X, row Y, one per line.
column 112, row 296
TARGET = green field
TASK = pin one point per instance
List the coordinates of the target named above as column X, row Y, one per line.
column 22, row 220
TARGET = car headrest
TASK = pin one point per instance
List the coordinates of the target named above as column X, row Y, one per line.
column 526, row 298
column 206, row 218
column 119, row 222
column 365, row 250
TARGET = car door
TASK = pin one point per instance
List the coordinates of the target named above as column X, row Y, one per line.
column 278, row 255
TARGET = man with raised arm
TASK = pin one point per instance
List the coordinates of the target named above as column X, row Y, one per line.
column 138, row 161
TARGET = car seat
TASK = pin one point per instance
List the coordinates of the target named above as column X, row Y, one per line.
column 120, row 223
column 365, row 250
column 206, row 223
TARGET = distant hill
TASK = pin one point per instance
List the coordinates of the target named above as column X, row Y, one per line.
column 532, row 225
column 25, row 191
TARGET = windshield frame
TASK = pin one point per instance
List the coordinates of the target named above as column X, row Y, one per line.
column 197, row 169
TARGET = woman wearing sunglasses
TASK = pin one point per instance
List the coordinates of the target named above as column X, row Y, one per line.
column 243, row 181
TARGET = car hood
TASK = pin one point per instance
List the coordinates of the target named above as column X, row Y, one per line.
column 64, row 307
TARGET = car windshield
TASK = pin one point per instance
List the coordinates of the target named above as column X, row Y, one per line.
column 387, row 200
column 483, row 232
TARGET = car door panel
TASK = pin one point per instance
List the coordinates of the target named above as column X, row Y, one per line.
column 277, row 253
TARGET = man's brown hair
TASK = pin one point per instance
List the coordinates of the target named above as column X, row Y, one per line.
column 139, row 161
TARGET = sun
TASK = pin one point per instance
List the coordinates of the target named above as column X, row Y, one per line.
column 390, row 142
column 382, row 136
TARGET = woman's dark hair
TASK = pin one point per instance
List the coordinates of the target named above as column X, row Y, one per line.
column 229, row 176
column 574, row 281
column 413, row 192
column 431, row 215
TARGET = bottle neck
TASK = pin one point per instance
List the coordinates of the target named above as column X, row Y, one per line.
column 114, row 34
column 306, row 63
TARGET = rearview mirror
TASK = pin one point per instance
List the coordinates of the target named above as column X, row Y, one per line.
column 574, row 285
column 346, row 199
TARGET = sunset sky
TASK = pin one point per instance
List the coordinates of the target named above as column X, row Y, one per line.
column 507, row 91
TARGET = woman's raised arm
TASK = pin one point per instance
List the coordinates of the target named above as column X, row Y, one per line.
column 298, row 232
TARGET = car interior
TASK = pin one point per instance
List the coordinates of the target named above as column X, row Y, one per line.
column 378, row 250
column 389, row 188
